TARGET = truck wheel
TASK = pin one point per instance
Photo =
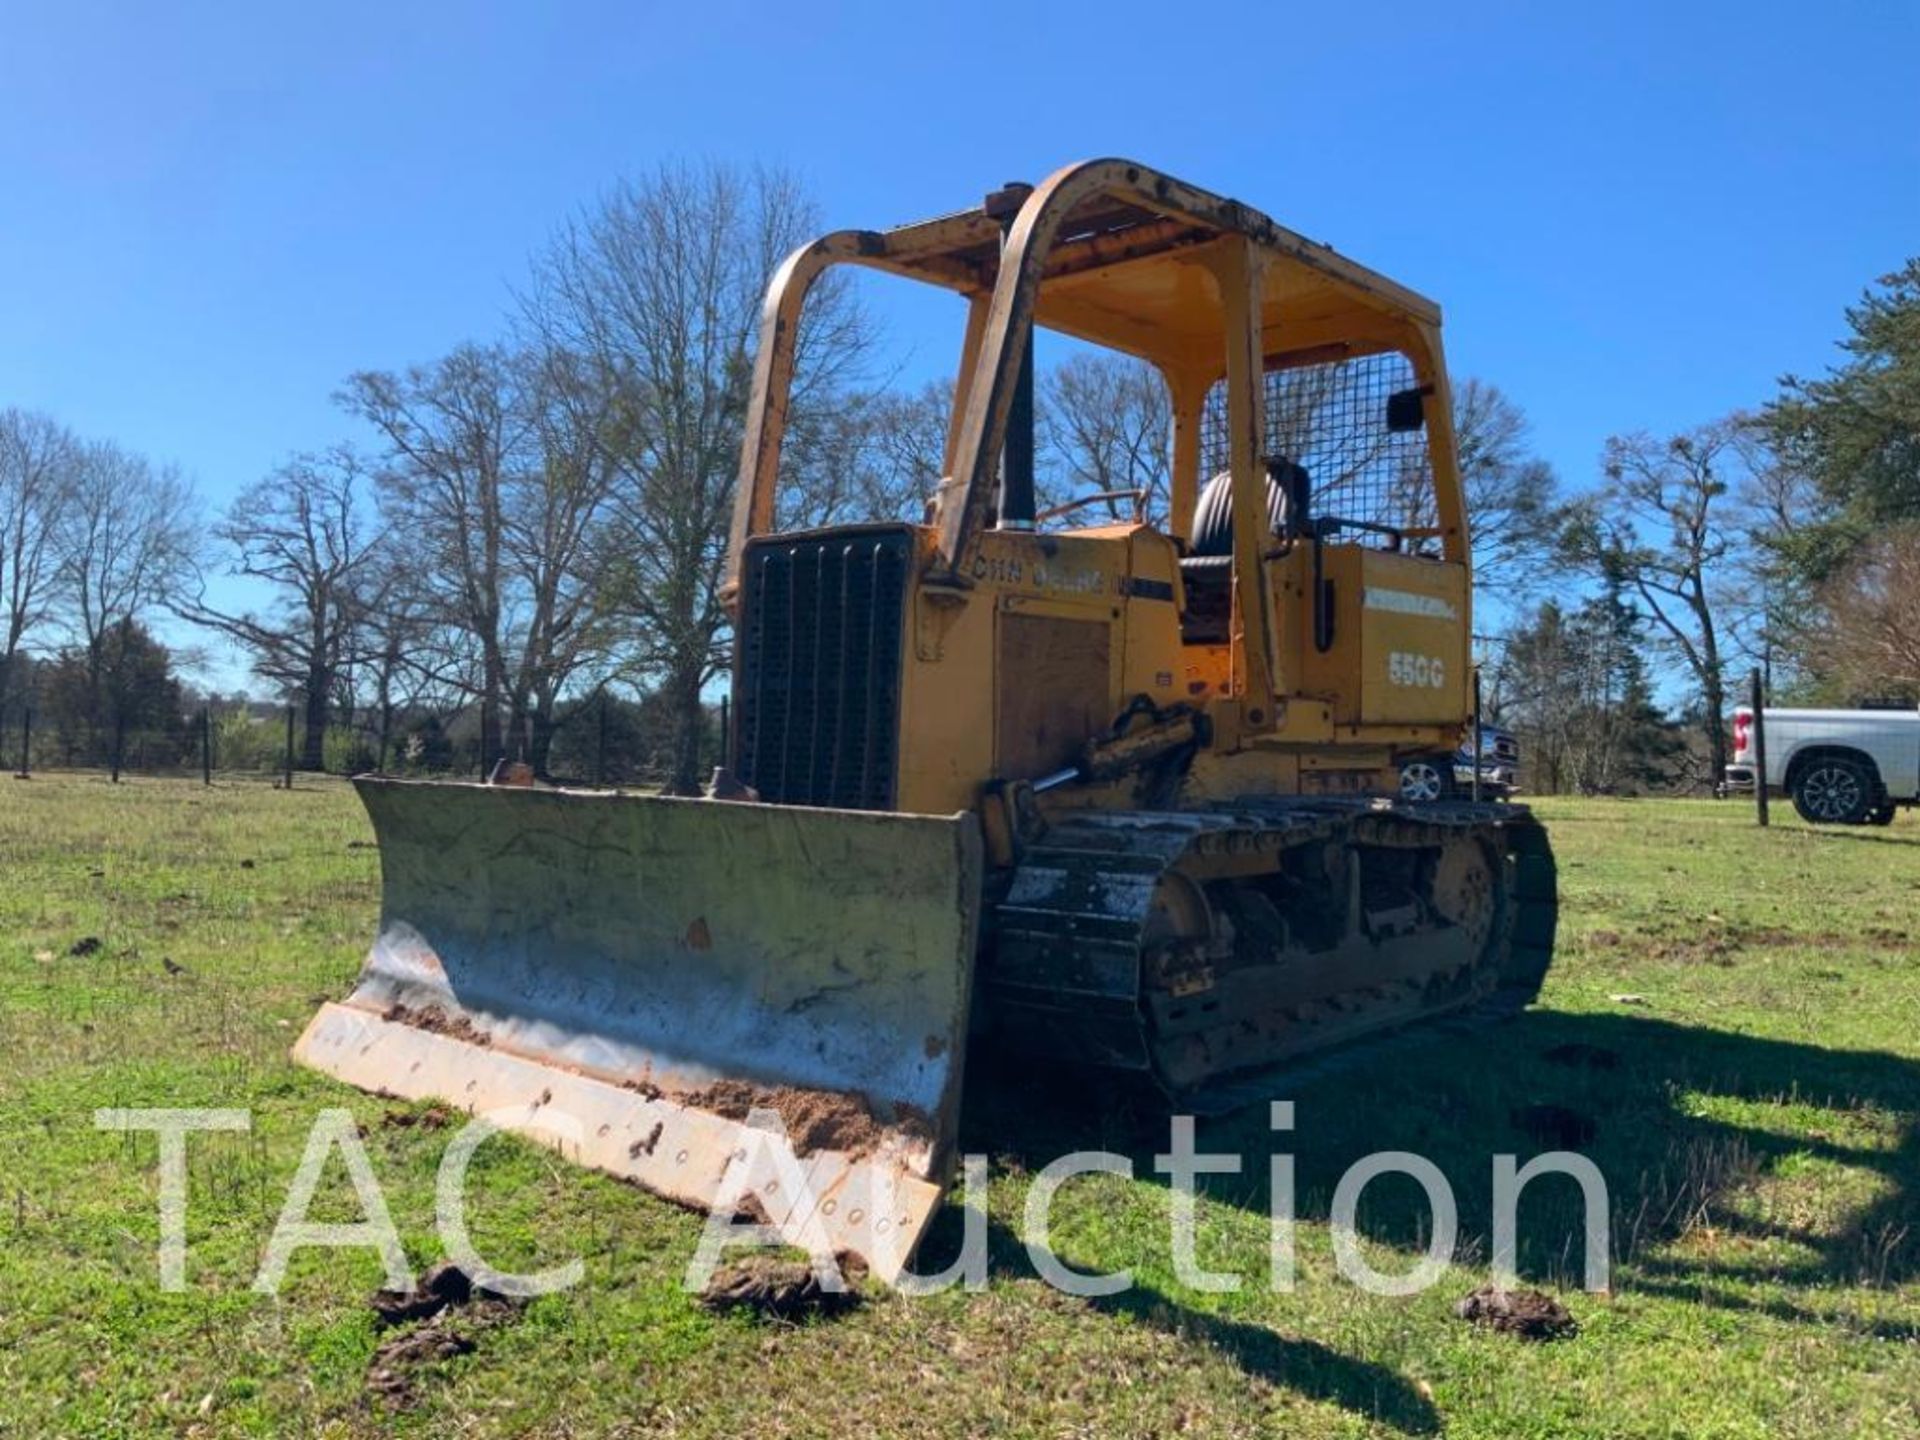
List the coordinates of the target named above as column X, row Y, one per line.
column 1426, row 780
column 1835, row 791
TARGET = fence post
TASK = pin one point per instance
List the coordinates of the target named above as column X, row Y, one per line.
column 1757, row 699
column 26, row 743
column 600, row 746
column 726, row 730
column 289, row 771
column 119, row 743
column 206, row 745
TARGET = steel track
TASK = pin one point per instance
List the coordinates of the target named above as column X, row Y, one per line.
column 1064, row 976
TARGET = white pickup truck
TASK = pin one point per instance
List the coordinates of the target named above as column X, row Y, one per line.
column 1841, row 767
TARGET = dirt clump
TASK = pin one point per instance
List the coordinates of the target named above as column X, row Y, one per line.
column 401, row 1307
column 434, row 1117
column 435, row 1021
column 1719, row 949
column 644, row 1145
column 1559, row 1126
column 86, row 945
column 391, row 1374
column 1529, row 1314
column 752, row 1209
column 814, row 1119
column 913, row 1122
column 442, row 1285
column 444, row 1311
column 776, row 1288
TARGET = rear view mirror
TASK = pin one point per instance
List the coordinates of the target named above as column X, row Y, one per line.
column 1407, row 409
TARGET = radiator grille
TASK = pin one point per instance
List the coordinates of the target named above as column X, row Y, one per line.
column 817, row 688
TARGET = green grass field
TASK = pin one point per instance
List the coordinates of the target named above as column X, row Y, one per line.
column 1758, row 1123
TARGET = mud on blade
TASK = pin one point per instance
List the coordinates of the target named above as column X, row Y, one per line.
column 628, row 977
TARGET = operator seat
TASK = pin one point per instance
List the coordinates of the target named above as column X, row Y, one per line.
column 1207, row 568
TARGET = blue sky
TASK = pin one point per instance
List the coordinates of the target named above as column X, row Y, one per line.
column 1634, row 215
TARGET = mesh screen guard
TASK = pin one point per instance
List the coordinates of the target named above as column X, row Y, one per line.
column 1332, row 419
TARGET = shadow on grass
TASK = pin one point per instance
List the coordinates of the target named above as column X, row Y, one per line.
column 1631, row 1080
column 1867, row 837
column 1288, row 1362
column 1690, row 1286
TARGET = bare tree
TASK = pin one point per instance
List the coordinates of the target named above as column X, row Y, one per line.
column 1107, row 421
column 1869, row 624
column 1773, row 610
column 455, row 431
column 659, row 286
column 562, row 539
column 1660, row 524
column 306, row 530
column 128, row 541
column 38, row 459
column 872, row 455
column 1509, row 492
column 407, row 656
column 498, row 470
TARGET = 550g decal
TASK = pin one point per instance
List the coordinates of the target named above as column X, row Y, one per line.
column 1418, row 672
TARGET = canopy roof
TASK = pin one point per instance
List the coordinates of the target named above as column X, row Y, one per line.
column 1135, row 277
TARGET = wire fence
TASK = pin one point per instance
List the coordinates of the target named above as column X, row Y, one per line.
column 599, row 741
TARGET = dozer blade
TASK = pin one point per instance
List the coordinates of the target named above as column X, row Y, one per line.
column 629, row 978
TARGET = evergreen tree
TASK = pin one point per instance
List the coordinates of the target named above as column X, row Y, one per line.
column 122, row 689
column 1855, row 433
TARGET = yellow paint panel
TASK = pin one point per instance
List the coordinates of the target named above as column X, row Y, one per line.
column 1414, row 662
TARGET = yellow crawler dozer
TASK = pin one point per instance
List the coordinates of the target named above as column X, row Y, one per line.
column 1115, row 793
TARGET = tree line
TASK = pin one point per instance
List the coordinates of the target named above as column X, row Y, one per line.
column 540, row 520
column 1783, row 539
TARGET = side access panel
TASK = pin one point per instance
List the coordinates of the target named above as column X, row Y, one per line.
column 1414, row 665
